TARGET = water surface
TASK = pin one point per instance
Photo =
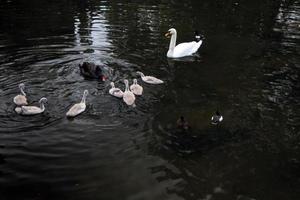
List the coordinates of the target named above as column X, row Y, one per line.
column 247, row 67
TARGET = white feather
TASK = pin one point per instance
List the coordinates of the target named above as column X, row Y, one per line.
column 150, row 79
column 116, row 92
column 78, row 108
column 32, row 110
column 128, row 96
column 183, row 49
column 136, row 88
column 21, row 100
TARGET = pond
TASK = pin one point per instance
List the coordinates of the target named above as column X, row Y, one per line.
column 248, row 68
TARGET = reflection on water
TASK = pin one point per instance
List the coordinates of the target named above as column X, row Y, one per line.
column 248, row 68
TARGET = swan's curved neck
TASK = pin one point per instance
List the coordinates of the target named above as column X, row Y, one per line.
column 42, row 106
column 22, row 91
column 173, row 42
column 126, row 86
column 83, row 98
column 141, row 74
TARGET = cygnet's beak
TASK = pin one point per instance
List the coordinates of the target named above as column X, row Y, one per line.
column 103, row 78
column 168, row 35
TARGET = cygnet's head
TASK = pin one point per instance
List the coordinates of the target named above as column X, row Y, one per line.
column 22, row 86
column 140, row 73
column 43, row 100
column 86, row 92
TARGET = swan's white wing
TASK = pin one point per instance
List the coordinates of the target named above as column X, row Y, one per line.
column 136, row 89
column 76, row 109
column 128, row 98
column 31, row 110
column 116, row 92
column 20, row 100
column 152, row 80
column 186, row 49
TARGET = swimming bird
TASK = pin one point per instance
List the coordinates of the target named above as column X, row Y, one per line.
column 116, row 92
column 198, row 36
column 136, row 88
column 20, row 99
column 78, row 108
column 182, row 49
column 91, row 70
column 216, row 118
column 150, row 79
column 32, row 110
column 128, row 96
column 182, row 123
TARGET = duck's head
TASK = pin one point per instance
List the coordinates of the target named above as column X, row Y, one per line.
column 170, row 32
column 135, row 81
column 218, row 113
column 198, row 36
column 182, row 119
column 112, row 84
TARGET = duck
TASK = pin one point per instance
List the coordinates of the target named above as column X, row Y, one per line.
column 116, row 92
column 216, row 118
column 150, row 79
column 198, row 36
column 32, row 110
column 182, row 49
column 92, row 71
column 128, row 96
column 78, row 108
column 20, row 99
column 136, row 88
column 182, row 123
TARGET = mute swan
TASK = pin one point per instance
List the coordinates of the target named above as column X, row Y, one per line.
column 91, row 70
column 183, row 49
column 128, row 96
column 78, row 108
column 136, row 88
column 116, row 92
column 150, row 79
column 216, row 118
column 32, row 110
column 21, row 100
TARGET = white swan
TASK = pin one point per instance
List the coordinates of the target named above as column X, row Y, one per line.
column 78, row 108
column 183, row 49
column 32, row 110
column 136, row 88
column 21, row 100
column 128, row 96
column 150, row 79
column 116, row 92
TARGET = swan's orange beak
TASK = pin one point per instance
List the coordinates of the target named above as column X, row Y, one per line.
column 168, row 35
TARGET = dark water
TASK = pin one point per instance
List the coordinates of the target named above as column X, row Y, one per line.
column 248, row 67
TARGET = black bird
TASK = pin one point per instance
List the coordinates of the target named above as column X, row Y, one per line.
column 216, row 118
column 93, row 71
column 182, row 123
